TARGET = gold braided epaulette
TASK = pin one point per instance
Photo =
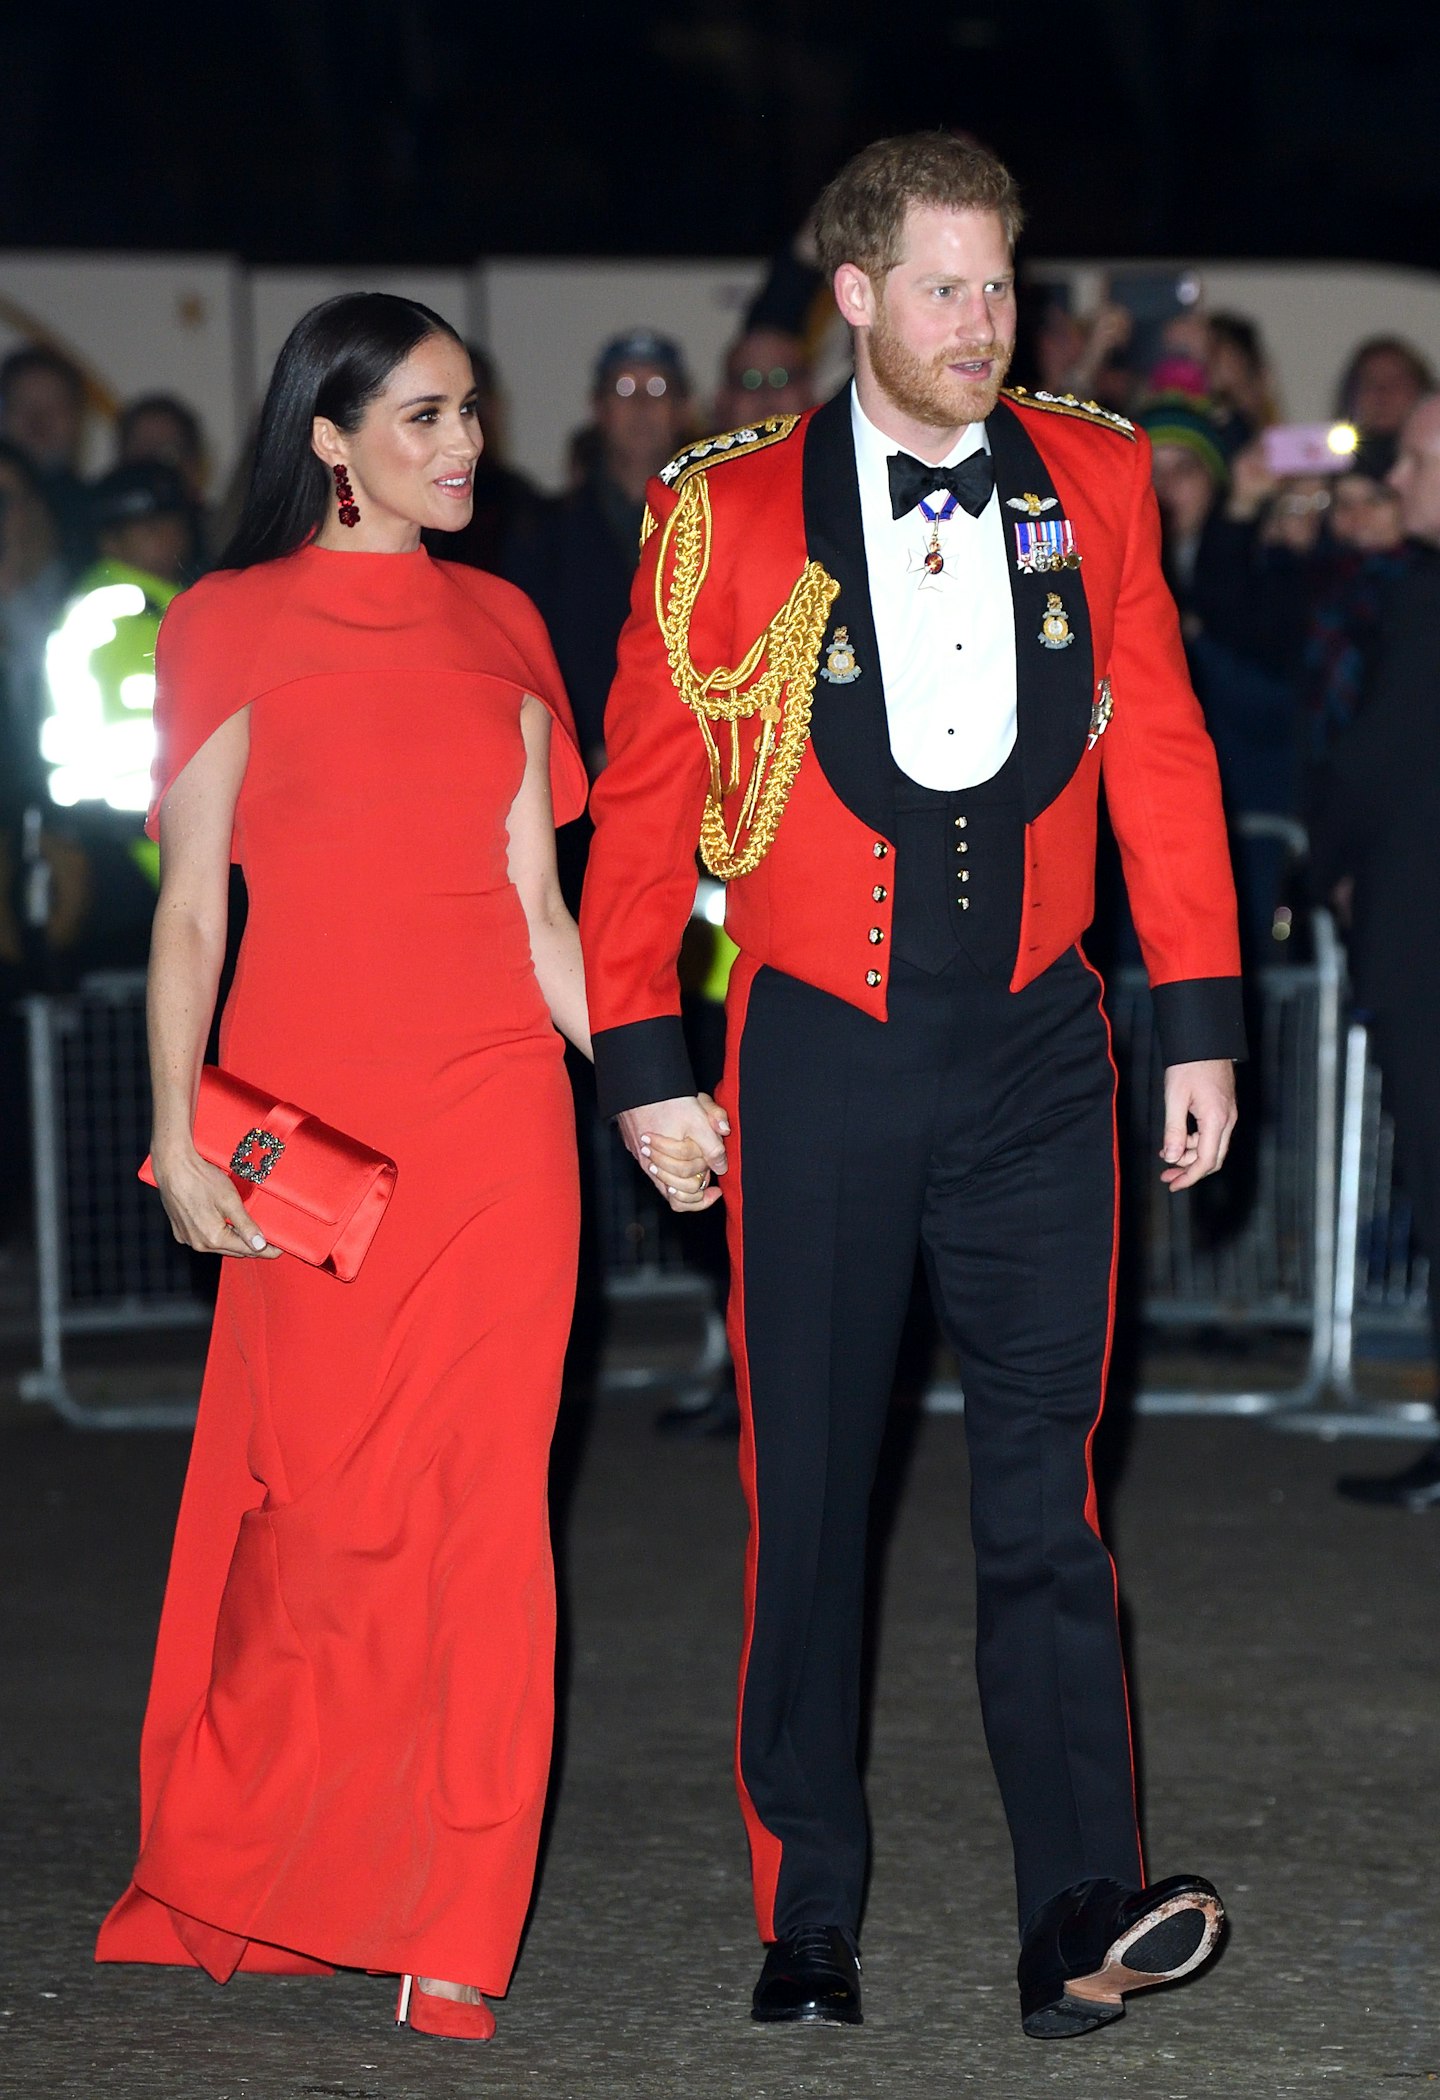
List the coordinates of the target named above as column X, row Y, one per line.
column 1069, row 405
column 760, row 706
column 730, row 444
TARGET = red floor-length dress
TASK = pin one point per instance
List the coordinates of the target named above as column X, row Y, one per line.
column 347, row 1744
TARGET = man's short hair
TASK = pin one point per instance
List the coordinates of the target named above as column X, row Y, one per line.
column 860, row 218
column 39, row 357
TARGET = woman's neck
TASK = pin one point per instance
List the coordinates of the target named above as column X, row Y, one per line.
column 377, row 536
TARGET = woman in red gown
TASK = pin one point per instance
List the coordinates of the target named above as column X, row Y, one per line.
column 347, row 1744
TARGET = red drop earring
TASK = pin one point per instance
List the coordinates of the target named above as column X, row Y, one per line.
column 345, row 496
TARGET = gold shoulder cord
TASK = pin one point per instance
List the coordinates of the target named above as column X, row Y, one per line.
column 788, row 648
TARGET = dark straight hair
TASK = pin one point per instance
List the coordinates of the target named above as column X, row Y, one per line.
column 335, row 360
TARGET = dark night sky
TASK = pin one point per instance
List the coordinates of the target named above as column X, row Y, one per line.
column 431, row 130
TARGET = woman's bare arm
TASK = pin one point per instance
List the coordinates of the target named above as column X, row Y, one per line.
column 554, row 936
column 187, row 948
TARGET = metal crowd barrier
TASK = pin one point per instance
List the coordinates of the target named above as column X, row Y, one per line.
column 106, row 1260
column 1303, row 1236
column 1252, row 1252
column 1381, row 1291
column 108, row 1264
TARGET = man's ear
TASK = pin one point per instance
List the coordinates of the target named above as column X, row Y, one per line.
column 854, row 295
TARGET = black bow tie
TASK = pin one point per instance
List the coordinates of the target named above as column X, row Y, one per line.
column 971, row 481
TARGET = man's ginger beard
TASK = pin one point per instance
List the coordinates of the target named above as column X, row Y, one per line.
column 924, row 388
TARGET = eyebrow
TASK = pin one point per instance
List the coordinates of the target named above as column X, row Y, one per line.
column 436, row 400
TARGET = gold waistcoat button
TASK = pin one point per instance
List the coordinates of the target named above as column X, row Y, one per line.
column 872, row 978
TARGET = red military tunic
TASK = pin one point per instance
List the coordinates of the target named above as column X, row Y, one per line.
column 1116, row 703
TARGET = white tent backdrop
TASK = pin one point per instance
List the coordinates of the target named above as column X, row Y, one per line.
column 139, row 324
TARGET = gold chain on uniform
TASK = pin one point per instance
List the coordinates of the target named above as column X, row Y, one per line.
column 789, row 649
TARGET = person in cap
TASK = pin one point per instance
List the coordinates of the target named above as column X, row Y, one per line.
column 880, row 658
column 97, row 738
column 143, row 517
column 575, row 556
column 104, row 641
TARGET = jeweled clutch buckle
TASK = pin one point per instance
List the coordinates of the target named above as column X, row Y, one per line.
column 256, row 1154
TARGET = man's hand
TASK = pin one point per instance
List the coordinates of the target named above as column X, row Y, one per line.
column 1202, row 1093
column 680, row 1144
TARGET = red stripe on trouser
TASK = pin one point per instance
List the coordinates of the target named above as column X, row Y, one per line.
column 765, row 1847
column 1092, row 1508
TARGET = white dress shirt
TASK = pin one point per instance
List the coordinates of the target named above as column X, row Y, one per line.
column 947, row 643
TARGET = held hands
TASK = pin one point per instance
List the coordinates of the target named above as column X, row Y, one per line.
column 1202, row 1093
column 680, row 1144
column 204, row 1211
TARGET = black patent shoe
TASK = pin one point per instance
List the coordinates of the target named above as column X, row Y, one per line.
column 812, row 1974
column 1415, row 1487
column 1091, row 1944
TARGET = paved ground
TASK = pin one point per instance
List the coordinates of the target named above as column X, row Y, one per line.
column 1284, row 1646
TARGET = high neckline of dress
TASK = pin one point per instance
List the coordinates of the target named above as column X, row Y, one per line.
column 408, row 557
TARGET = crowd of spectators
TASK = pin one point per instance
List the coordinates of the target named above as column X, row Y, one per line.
column 1281, row 572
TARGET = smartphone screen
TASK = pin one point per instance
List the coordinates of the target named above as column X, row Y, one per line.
column 1309, row 448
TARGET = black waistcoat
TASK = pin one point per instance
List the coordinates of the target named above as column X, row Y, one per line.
column 959, row 871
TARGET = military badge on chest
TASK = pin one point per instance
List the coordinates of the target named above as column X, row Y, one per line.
column 1055, row 628
column 840, row 667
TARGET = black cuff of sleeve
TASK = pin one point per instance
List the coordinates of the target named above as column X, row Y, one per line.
column 1200, row 1017
column 640, row 1062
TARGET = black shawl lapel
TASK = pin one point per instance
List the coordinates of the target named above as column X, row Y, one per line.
column 849, row 728
column 1054, row 687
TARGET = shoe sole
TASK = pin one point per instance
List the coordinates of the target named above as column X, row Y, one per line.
column 808, row 2016
column 1169, row 1942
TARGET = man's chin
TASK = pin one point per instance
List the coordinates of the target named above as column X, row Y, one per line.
column 975, row 399
column 953, row 402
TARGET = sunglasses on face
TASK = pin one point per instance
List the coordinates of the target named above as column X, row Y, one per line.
column 627, row 386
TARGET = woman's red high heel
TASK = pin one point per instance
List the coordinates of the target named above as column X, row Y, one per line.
column 455, row 2018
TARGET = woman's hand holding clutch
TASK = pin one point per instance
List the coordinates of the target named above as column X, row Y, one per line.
column 204, row 1210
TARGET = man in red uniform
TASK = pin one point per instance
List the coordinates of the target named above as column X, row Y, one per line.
column 878, row 660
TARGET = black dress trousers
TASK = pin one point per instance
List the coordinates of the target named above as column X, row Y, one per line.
column 978, row 1125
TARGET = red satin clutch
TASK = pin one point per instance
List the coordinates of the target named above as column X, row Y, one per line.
column 314, row 1192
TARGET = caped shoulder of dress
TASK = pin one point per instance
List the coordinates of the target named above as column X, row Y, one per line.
column 730, row 444
column 1070, row 405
